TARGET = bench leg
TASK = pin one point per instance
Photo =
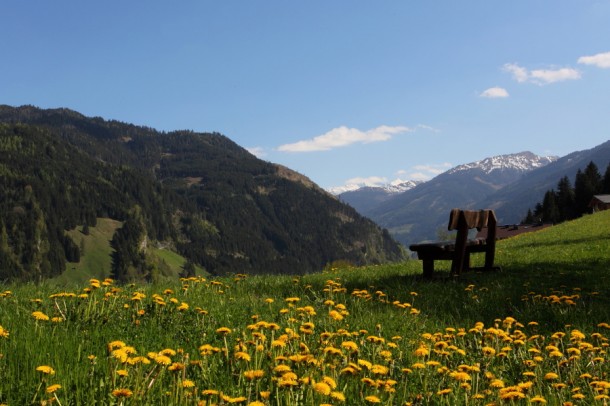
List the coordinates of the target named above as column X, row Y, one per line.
column 428, row 268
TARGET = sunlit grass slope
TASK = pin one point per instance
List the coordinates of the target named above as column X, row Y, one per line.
column 95, row 261
column 535, row 333
column 95, row 252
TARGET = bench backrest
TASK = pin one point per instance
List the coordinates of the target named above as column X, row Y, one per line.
column 468, row 219
column 464, row 220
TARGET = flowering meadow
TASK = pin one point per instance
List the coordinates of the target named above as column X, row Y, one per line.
column 535, row 333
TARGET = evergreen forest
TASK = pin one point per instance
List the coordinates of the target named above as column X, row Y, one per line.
column 199, row 194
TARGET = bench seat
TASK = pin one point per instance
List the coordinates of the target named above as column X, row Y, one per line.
column 459, row 251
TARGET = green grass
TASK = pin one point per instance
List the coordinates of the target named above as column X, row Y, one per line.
column 95, row 261
column 539, row 328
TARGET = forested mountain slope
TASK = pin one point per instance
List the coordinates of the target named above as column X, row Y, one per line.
column 200, row 193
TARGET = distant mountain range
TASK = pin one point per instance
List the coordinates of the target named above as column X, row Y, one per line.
column 199, row 194
column 510, row 184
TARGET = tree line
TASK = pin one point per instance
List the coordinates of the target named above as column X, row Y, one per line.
column 568, row 202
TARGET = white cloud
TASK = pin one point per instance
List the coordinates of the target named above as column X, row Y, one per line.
column 369, row 181
column 541, row 76
column 258, row 152
column 544, row 76
column 427, row 127
column 424, row 172
column 494, row 93
column 601, row 60
column 343, row 136
column 519, row 74
column 418, row 172
column 357, row 183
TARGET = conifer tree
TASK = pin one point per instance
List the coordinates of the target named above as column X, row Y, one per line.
column 586, row 185
column 605, row 188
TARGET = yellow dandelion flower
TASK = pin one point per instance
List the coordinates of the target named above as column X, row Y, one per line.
column 120, row 354
column 282, row 368
column 122, row 393
column 40, row 316
column 460, row 376
column 223, row 330
column 292, row 299
column 330, row 382
column 512, row 395
column 45, row 369
column 53, row 388
column 422, row 351
column 538, row 399
column 278, row 343
column 122, row 372
column 163, row 360
column 349, row 370
column 529, row 374
column 116, row 344
column 3, row 332
column 550, row 376
column 244, row 356
column 256, row 403
column 372, row 399
column 286, row 381
column 489, row 351
column 443, row 392
column 176, row 366
column 187, row 383
column 322, row 388
column 380, row 369
column 335, row 315
column 338, row 396
column 497, row 383
column 254, row 374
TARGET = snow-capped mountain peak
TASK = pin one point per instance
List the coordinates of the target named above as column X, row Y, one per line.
column 396, row 186
column 522, row 162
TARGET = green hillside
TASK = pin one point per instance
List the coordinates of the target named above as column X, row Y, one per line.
column 536, row 333
column 210, row 199
column 95, row 260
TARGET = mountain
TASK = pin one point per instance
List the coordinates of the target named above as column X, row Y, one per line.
column 366, row 198
column 419, row 213
column 198, row 193
column 512, row 202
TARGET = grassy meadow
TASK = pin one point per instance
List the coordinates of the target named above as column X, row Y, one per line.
column 535, row 333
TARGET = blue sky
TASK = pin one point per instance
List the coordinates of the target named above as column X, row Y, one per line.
column 341, row 91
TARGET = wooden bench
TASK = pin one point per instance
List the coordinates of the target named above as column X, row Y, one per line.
column 459, row 251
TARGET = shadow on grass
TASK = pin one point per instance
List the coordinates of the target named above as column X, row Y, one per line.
column 487, row 296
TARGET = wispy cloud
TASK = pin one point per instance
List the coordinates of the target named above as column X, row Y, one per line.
column 495, row 93
column 369, row 181
column 541, row 76
column 425, row 172
column 601, row 60
column 416, row 173
column 519, row 73
column 343, row 136
column 258, row 152
column 427, row 127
